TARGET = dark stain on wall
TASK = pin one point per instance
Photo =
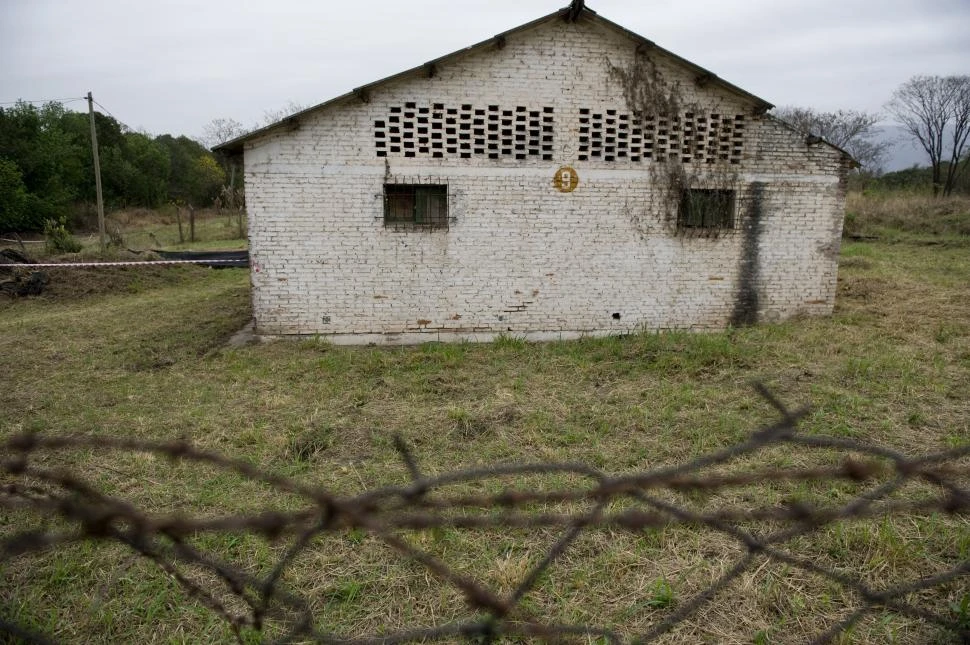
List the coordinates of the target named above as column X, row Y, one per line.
column 746, row 303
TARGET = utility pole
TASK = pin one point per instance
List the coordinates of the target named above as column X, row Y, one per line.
column 97, row 173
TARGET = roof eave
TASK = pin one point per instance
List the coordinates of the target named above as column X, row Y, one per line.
column 812, row 139
column 237, row 145
column 703, row 75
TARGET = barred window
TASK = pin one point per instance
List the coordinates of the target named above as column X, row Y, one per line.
column 410, row 205
column 706, row 209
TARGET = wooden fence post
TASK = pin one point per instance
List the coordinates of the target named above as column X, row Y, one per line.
column 178, row 216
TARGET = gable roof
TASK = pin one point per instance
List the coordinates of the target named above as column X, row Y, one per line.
column 571, row 13
column 813, row 139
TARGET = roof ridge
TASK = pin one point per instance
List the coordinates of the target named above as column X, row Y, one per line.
column 572, row 13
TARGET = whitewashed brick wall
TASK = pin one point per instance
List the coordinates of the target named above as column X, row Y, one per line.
column 519, row 256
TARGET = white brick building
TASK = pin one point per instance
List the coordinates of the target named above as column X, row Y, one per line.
column 567, row 177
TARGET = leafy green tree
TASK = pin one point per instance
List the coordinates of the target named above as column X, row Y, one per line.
column 13, row 197
column 118, row 171
column 47, row 166
column 45, row 154
column 148, row 185
column 208, row 178
column 190, row 180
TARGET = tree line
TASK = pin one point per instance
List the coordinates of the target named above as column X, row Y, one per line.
column 46, row 166
column 933, row 111
column 46, row 163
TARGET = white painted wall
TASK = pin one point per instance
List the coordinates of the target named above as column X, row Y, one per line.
column 519, row 256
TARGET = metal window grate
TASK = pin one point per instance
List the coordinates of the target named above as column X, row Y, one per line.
column 409, row 205
column 711, row 209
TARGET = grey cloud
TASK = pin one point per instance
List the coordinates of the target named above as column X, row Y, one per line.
column 173, row 65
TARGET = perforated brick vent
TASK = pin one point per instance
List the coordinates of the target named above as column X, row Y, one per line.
column 697, row 138
column 437, row 131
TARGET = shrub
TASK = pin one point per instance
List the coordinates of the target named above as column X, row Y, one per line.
column 58, row 238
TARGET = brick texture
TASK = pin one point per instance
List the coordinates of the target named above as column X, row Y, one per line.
column 519, row 256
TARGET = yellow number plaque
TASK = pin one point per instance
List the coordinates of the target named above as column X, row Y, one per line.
column 566, row 180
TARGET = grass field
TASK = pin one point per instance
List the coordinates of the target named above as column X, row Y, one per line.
column 141, row 229
column 909, row 217
column 149, row 359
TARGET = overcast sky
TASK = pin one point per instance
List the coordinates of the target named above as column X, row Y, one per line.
column 174, row 65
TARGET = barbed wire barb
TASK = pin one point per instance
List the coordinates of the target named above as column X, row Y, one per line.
column 583, row 500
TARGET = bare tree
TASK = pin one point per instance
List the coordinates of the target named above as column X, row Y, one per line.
column 274, row 116
column 219, row 131
column 850, row 130
column 935, row 111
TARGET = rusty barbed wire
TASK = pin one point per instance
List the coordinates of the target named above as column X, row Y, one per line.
column 423, row 503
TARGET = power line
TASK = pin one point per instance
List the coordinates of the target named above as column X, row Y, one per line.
column 69, row 99
column 106, row 110
column 65, row 100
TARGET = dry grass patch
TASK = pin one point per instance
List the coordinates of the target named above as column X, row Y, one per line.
column 147, row 229
column 901, row 215
column 891, row 367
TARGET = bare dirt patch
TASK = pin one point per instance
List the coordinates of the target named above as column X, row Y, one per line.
column 71, row 283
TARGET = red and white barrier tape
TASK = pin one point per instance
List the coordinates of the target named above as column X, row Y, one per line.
column 119, row 264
